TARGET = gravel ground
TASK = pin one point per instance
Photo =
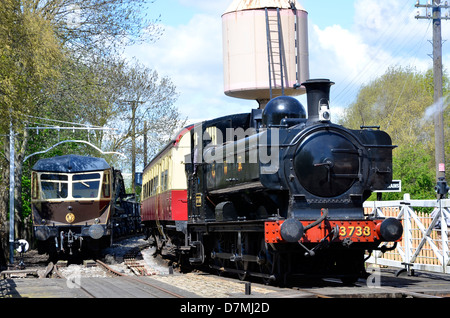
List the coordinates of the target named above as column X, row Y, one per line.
column 202, row 284
column 114, row 257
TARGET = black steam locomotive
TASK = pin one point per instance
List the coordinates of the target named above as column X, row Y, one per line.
column 273, row 193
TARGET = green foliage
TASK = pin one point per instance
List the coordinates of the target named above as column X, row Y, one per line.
column 29, row 55
column 57, row 61
column 26, row 196
column 412, row 166
column 397, row 101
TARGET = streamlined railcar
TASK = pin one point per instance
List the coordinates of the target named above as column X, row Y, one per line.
column 79, row 205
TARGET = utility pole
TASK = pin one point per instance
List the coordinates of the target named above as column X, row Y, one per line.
column 145, row 144
column 11, row 192
column 134, row 106
column 433, row 12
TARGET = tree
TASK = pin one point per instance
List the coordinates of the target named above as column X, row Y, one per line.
column 398, row 102
column 99, row 27
column 146, row 105
column 41, row 41
column 28, row 56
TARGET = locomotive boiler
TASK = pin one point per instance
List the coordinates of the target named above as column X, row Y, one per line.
column 79, row 205
column 276, row 193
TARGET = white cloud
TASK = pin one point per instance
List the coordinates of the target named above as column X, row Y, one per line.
column 334, row 51
column 216, row 7
column 191, row 55
column 383, row 34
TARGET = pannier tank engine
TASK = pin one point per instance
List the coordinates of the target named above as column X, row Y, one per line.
column 286, row 198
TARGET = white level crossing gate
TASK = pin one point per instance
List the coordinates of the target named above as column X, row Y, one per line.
column 425, row 242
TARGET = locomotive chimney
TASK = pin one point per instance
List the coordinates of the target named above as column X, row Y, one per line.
column 318, row 96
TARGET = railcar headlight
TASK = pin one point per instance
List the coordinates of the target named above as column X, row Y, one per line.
column 42, row 233
column 96, row 231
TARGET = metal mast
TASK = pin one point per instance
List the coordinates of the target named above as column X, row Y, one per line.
column 433, row 12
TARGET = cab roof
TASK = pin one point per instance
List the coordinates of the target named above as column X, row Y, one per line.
column 71, row 164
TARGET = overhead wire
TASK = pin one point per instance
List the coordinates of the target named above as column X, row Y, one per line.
column 407, row 78
column 386, row 42
column 63, row 122
column 381, row 45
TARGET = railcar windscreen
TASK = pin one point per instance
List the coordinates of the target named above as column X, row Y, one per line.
column 54, row 186
column 71, row 186
column 86, row 185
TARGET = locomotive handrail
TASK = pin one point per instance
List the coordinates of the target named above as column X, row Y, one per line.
column 425, row 240
column 380, row 146
column 370, row 127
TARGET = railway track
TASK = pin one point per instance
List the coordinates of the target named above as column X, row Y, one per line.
column 162, row 292
column 128, row 276
column 204, row 284
column 118, row 284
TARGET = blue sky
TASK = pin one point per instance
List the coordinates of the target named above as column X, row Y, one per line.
column 351, row 42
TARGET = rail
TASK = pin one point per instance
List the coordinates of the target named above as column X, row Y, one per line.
column 424, row 245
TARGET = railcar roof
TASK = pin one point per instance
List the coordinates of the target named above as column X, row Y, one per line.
column 71, row 164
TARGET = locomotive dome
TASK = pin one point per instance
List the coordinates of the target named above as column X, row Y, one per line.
column 280, row 108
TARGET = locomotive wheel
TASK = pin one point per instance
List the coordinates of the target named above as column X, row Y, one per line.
column 218, row 265
column 266, row 263
column 243, row 248
column 349, row 266
column 242, row 266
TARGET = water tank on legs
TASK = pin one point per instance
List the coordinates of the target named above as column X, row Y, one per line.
column 265, row 46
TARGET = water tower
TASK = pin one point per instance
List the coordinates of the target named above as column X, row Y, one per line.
column 265, row 45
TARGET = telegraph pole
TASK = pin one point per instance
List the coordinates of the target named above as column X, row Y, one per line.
column 433, row 12
column 134, row 106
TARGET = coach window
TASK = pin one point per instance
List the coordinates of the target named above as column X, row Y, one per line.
column 34, row 186
column 106, row 185
column 144, row 191
column 155, row 185
column 169, row 173
column 164, row 180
